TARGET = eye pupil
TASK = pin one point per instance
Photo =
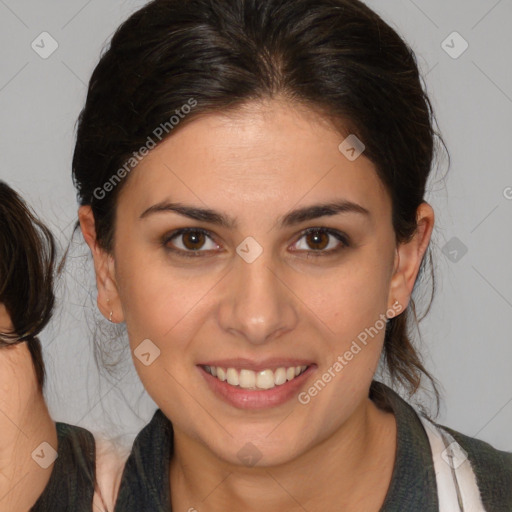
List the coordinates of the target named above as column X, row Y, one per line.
column 315, row 237
column 196, row 238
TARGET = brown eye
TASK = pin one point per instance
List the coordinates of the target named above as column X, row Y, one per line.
column 323, row 241
column 189, row 242
column 317, row 240
column 193, row 240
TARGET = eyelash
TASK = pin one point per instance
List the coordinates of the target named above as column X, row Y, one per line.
column 318, row 253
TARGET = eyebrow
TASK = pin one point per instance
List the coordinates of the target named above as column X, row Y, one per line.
column 289, row 219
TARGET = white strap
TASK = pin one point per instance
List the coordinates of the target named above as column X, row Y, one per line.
column 457, row 488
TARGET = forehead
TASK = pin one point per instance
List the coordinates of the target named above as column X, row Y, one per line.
column 257, row 159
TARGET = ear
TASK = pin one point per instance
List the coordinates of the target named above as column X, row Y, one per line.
column 408, row 259
column 104, row 266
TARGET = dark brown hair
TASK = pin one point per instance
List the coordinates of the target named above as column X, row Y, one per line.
column 335, row 56
column 27, row 255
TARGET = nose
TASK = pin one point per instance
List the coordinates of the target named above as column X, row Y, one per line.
column 258, row 305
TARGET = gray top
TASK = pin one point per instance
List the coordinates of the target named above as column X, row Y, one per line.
column 145, row 480
column 71, row 484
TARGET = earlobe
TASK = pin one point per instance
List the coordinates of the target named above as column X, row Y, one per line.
column 108, row 297
column 409, row 256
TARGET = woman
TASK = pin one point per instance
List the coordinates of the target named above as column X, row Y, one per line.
column 44, row 466
column 251, row 177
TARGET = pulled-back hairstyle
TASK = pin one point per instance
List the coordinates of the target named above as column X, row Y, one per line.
column 27, row 255
column 337, row 57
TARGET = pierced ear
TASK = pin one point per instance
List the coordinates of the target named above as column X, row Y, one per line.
column 409, row 256
column 104, row 267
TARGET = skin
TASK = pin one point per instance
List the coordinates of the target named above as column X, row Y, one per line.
column 25, row 423
column 256, row 165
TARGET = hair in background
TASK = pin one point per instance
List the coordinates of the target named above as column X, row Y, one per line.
column 27, row 255
column 336, row 57
column 112, row 363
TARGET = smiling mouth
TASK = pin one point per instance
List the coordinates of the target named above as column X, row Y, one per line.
column 251, row 380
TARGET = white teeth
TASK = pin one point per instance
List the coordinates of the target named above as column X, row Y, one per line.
column 280, row 376
column 248, row 379
column 232, row 377
column 265, row 379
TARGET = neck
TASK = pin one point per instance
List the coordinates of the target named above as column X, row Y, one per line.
column 25, row 423
column 334, row 475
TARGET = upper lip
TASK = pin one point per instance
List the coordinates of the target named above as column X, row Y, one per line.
column 256, row 366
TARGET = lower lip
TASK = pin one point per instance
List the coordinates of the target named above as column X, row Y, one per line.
column 262, row 399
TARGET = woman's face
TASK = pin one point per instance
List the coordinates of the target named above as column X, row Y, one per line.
column 254, row 292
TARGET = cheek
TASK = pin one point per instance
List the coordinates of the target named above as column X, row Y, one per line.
column 155, row 312
column 353, row 306
column 139, row 288
column 353, row 298
column 159, row 303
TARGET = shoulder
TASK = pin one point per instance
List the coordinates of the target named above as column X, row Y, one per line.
column 90, row 468
column 72, row 480
column 492, row 468
column 145, row 480
column 75, row 437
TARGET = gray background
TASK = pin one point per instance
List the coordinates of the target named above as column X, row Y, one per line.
column 466, row 340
